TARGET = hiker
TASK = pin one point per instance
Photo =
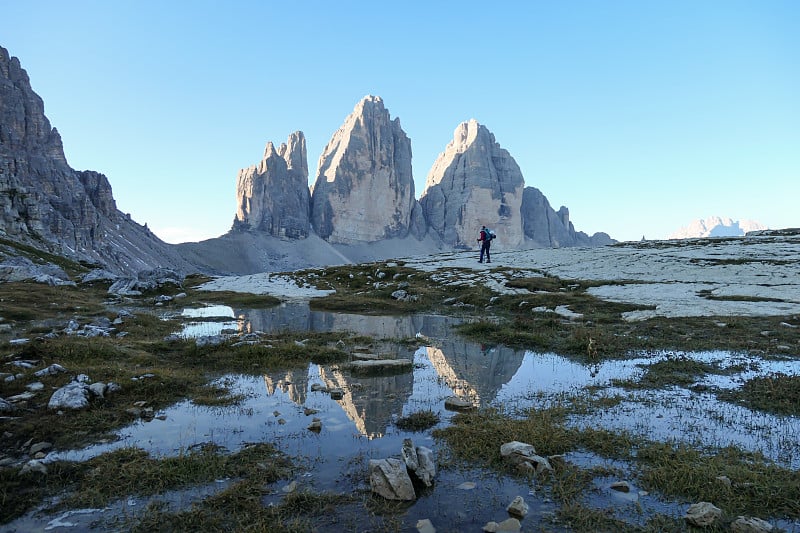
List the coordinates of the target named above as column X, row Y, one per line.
column 485, row 239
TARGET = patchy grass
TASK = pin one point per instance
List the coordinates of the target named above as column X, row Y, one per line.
column 24, row 301
column 776, row 393
column 418, row 421
column 367, row 289
column 754, row 486
column 676, row 369
column 239, row 508
column 131, row 471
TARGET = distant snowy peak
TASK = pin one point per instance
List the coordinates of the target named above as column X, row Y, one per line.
column 717, row 227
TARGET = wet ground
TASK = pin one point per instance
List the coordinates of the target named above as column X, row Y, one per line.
column 360, row 426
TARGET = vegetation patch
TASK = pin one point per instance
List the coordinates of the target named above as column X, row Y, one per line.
column 738, row 482
column 676, row 370
column 131, row 471
column 240, row 508
column 418, row 421
column 776, row 393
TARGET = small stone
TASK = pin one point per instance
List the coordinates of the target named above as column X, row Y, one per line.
column 510, row 525
column 454, row 403
column 467, row 485
column 40, row 447
column 746, row 524
column 702, row 514
column 308, row 411
column 276, row 413
column 518, row 508
column 289, row 488
column 281, row 421
column 316, row 425
column 621, row 486
column 425, row 526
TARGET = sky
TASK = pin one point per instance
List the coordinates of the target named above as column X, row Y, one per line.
column 640, row 117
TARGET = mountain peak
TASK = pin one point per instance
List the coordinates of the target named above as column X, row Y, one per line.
column 716, row 226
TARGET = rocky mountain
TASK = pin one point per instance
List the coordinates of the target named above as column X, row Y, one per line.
column 362, row 206
column 273, row 196
column 48, row 205
column 715, row 226
column 364, row 188
column 549, row 228
column 474, row 182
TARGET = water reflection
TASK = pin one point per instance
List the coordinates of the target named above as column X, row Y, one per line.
column 359, row 426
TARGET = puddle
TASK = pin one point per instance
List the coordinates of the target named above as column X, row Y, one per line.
column 360, row 426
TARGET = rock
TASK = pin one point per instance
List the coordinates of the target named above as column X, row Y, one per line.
column 425, row 526
column 389, row 478
column 273, row 196
column 621, row 486
column 546, row 227
column 316, row 425
column 467, row 485
column 308, row 411
column 364, row 188
column 409, row 454
column 6, row 407
column 98, row 389
column 34, row 466
column 51, row 370
column 73, row 395
column 318, row 387
column 510, row 525
column 454, row 403
column 745, row 524
column 48, row 205
column 426, row 471
column 39, row 447
column 518, row 508
column 702, row 514
column 523, row 456
column 289, row 488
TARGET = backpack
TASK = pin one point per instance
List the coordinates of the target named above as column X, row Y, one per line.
column 490, row 235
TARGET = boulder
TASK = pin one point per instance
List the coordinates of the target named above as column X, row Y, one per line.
column 454, row 403
column 523, row 457
column 510, row 525
column 73, row 395
column 389, row 478
column 518, row 508
column 749, row 524
column 702, row 514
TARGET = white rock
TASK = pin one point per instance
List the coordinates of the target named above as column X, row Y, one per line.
column 389, row 478
column 746, row 524
column 702, row 514
column 518, row 508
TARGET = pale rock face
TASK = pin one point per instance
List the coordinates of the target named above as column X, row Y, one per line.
column 273, row 196
column 364, row 189
column 549, row 228
column 474, row 182
column 47, row 204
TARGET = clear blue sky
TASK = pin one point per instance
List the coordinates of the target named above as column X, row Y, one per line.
column 639, row 116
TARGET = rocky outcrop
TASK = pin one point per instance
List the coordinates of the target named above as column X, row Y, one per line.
column 549, row 228
column 474, row 182
column 364, row 188
column 46, row 204
column 273, row 196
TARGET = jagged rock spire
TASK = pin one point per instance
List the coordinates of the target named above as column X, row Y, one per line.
column 273, row 196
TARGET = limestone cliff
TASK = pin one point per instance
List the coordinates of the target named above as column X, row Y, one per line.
column 474, row 182
column 549, row 228
column 364, row 188
column 273, row 196
column 47, row 204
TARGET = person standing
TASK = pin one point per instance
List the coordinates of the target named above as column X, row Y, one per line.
column 486, row 242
